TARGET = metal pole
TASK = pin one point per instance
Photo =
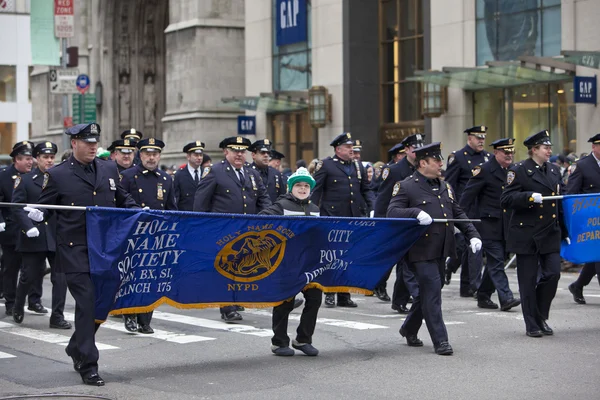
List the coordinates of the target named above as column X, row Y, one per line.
column 65, row 100
column 47, row 206
column 553, row 197
column 455, row 220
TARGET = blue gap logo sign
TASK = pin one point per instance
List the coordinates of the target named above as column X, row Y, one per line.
column 246, row 125
column 291, row 26
column 585, row 89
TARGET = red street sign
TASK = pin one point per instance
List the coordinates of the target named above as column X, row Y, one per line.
column 68, row 122
column 63, row 7
column 64, row 20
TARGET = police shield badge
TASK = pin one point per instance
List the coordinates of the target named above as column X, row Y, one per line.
column 112, row 184
column 476, row 171
column 159, row 192
column 396, row 189
column 205, row 172
column 385, row 173
column 510, row 177
column 17, row 181
column 46, row 177
column 319, row 165
column 450, row 159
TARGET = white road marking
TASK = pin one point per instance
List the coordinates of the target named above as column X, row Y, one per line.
column 208, row 323
column 6, row 355
column 325, row 321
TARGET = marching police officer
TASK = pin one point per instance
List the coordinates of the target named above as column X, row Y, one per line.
column 151, row 187
column 187, row 178
column 11, row 258
column 424, row 196
column 458, row 173
column 481, row 196
column 535, row 230
column 133, row 135
column 586, row 179
column 271, row 177
column 356, row 150
column 123, row 152
column 82, row 180
column 36, row 243
column 341, row 191
column 276, row 158
column 396, row 153
column 231, row 187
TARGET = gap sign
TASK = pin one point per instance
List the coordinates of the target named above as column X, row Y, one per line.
column 586, row 89
column 291, row 26
column 246, row 125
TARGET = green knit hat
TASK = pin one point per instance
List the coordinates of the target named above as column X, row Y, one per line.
column 301, row 175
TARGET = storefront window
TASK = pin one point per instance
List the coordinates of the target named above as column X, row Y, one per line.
column 507, row 29
column 8, row 134
column 8, row 83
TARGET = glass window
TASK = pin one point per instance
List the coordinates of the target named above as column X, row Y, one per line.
column 8, row 83
column 8, row 134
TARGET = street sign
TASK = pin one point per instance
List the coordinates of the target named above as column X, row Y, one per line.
column 62, row 81
column 586, row 89
column 246, row 125
column 68, row 122
column 88, row 113
column 83, row 83
column 64, row 19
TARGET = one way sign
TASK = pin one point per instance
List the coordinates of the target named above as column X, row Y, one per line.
column 246, row 125
column 63, row 81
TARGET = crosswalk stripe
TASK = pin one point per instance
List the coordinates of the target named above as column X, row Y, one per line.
column 325, row 321
column 6, row 355
column 180, row 338
column 44, row 336
column 207, row 323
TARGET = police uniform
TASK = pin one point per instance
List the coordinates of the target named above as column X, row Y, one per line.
column 482, row 196
column 585, row 179
column 412, row 198
column 124, row 146
column 36, row 243
column 72, row 183
column 187, row 178
column 11, row 258
column 272, row 179
column 223, row 189
column 458, row 172
column 134, row 135
column 534, row 233
column 275, row 155
column 341, row 191
column 392, row 152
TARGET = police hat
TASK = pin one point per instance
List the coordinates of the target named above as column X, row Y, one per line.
column 542, row 137
column 235, row 143
column 399, row 148
column 275, row 155
column 132, row 134
column 415, row 140
column 260, row 145
column 123, row 145
column 23, row 148
column 151, row 144
column 344, row 138
column 87, row 132
column 357, row 145
column 477, row 131
column 506, row 144
column 433, row 150
column 194, row 147
column 44, row 148
column 595, row 139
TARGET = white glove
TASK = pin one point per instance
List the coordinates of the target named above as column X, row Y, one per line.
column 568, row 240
column 33, row 232
column 475, row 245
column 2, row 226
column 372, row 214
column 146, row 208
column 537, row 197
column 424, row 218
column 34, row 214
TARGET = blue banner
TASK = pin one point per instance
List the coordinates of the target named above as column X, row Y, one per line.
column 141, row 259
column 582, row 219
column 291, row 26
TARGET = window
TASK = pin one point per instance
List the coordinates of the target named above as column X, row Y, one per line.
column 507, row 29
column 401, row 53
column 8, row 83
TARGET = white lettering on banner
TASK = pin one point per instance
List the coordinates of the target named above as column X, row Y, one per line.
column 336, row 236
column 289, row 13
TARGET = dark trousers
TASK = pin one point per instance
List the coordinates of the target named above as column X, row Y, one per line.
column 405, row 286
column 587, row 274
column 428, row 304
column 12, row 265
column 494, row 275
column 537, row 293
column 308, row 320
column 82, row 345
column 144, row 318
column 32, row 271
column 471, row 265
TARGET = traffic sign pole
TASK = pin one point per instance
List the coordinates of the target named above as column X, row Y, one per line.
column 66, row 143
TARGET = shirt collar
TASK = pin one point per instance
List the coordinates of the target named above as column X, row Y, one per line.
column 598, row 161
column 191, row 170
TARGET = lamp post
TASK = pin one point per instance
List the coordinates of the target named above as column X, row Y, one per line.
column 319, row 112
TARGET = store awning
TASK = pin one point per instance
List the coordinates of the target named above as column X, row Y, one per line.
column 589, row 59
column 267, row 102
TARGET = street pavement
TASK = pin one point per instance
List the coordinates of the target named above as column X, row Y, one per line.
column 193, row 355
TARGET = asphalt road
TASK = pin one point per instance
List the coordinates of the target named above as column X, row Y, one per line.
column 193, row 355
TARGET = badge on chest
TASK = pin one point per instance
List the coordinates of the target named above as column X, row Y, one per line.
column 159, row 191
column 112, row 184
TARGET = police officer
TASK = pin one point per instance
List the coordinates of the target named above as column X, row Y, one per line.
column 424, row 196
column 396, row 153
column 481, row 196
column 123, row 152
column 271, row 177
column 231, row 187
column 341, row 191
column 150, row 187
column 586, row 179
column 187, row 178
column 11, row 259
column 276, row 158
column 82, row 180
column 36, row 243
column 535, row 231
column 357, row 150
column 134, row 135
column 458, row 173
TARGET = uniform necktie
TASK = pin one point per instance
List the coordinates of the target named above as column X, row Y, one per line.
column 196, row 179
column 543, row 168
column 240, row 175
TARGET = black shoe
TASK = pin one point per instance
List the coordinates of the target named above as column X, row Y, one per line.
column 147, row 329
column 18, row 313
column 93, row 379
column 62, row 324
column 77, row 364
column 401, row 309
column 487, row 303
column 411, row 340
column 347, row 303
column 240, row 308
column 298, row 303
column 37, row 308
column 577, row 293
column 284, row 351
column 9, row 311
column 546, row 330
column 330, row 300
column 231, row 316
column 534, row 333
column 444, row 349
column 130, row 323
column 510, row 304
column 306, row 348
column 382, row 295
column 467, row 293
